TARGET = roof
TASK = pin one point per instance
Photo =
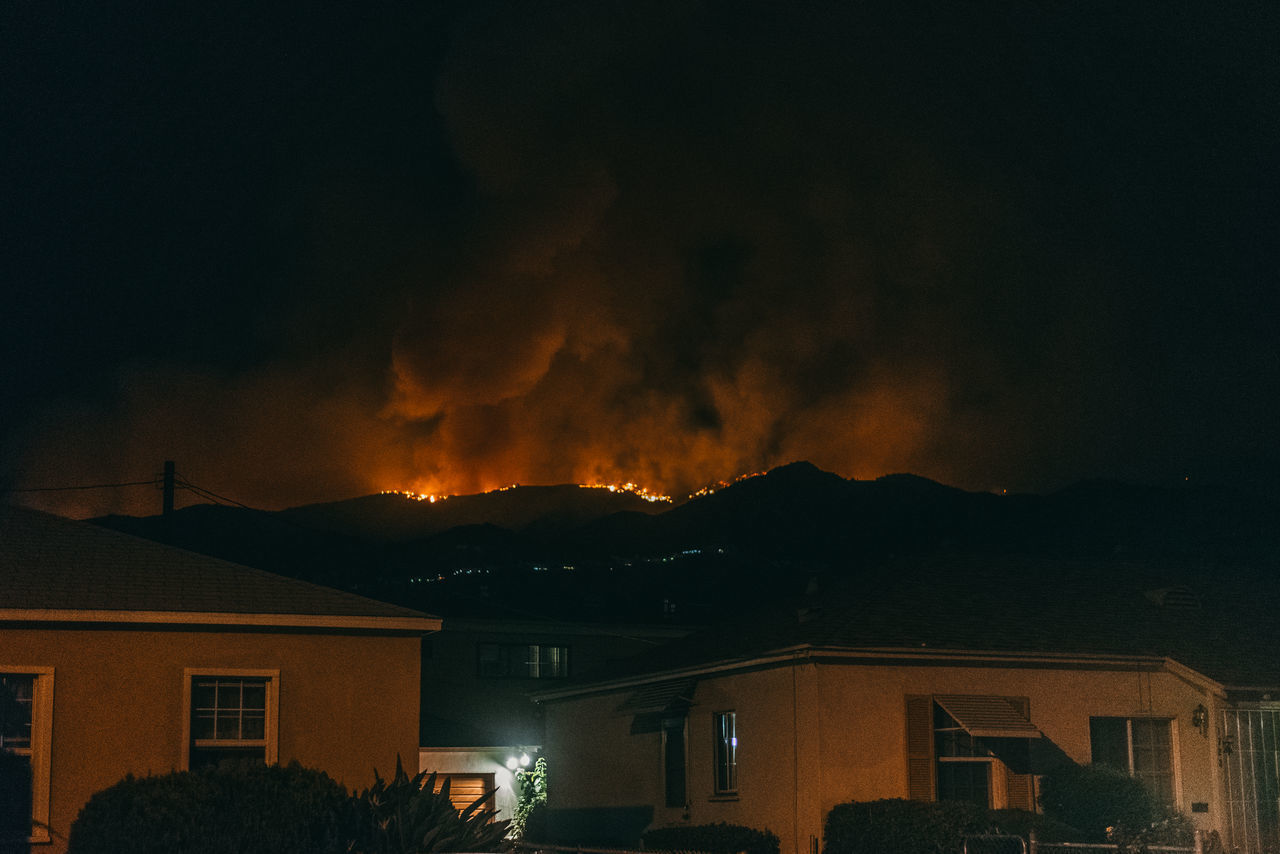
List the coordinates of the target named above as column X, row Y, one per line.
column 1000, row 607
column 56, row 569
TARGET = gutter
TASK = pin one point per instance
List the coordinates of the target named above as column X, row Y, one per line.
column 221, row 618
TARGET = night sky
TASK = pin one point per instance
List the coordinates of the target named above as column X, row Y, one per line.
column 310, row 252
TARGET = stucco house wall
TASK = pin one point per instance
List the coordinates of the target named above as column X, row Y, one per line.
column 346, row 704
column 818, row 730
column 120, row 654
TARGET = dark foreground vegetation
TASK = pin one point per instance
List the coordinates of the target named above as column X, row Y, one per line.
column 258, row 809
column 1080, row 804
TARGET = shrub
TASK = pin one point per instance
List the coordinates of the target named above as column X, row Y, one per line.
column 406, row 815
column 236, row 808
column 531, row 793
column 902, row 827
column 1109, row 805
column 718, row 838
column 1022, row 822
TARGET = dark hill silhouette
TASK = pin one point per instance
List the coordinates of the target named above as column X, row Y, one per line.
column 392, row 517
column 565, row 549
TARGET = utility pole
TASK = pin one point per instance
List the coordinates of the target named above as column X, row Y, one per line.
column 168, row 488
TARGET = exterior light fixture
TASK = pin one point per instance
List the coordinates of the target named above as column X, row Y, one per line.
column 1200, row 719
column 512, row 763
column 524, row 760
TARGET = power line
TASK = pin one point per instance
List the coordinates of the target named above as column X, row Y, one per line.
column 151, row 482
column 213, row 496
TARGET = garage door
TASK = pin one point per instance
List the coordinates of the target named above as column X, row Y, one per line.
column 465, row 788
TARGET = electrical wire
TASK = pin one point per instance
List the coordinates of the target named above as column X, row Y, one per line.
column 151, row 482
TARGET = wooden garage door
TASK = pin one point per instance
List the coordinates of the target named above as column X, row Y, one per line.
column 465, row 788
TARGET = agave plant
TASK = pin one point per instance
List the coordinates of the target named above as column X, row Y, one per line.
column 406, row 815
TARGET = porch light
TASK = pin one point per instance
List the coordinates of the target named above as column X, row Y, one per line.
column 1200, row 719
column 512, row 763
column 524, row 760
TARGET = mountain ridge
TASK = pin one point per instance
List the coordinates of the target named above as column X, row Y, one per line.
column 567, row 547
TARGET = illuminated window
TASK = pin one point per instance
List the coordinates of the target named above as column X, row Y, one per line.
column 725, row 739
column 231, row 715
column 523, row 660
column 26, row 725
column 1142, row 747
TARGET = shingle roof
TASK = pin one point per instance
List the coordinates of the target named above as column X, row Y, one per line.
column 56, row 565
column 1005, row 604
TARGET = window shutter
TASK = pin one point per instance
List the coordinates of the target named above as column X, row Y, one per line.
column 920, row 747
column 1022, row 787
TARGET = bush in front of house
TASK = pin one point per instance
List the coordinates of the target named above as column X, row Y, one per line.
column 1022, row 823
column 1108, row 805
column 237, row 808
column 242, row 808
column 903, row 827
column 717, row 838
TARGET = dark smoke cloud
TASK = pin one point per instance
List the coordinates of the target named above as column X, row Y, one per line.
column 674, row 242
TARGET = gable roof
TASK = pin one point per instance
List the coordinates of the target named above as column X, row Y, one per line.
column 999, row 608
column 59, row 570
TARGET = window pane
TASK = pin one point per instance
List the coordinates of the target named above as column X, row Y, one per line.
column 255, row 696
column 965, row 781
column 1153, row 756
column 228, row 695
column 16, row 691
column 203, row 695
column 1109, row 742
column 228, row 725
column 726, row 747
column 254, row 725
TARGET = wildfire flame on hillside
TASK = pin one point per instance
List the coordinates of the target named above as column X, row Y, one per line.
column 632, row 488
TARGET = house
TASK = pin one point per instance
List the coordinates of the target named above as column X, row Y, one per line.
column 123, row 656
column 479, row 725
column 958, row 680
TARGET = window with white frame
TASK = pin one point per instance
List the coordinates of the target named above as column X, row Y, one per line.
column 725, row 742
column 231, row 715
column 1142, row 747
column 26, row 726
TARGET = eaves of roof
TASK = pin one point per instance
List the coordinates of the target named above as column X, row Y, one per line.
column 221, row 618
column 889, row 656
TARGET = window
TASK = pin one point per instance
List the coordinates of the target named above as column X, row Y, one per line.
column 1142, row 747
column 231, row 715
column 970, row 747
column 725, row 739
column 673, row 761
column 964, row 762
column 26, row 726
column 523, row 660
